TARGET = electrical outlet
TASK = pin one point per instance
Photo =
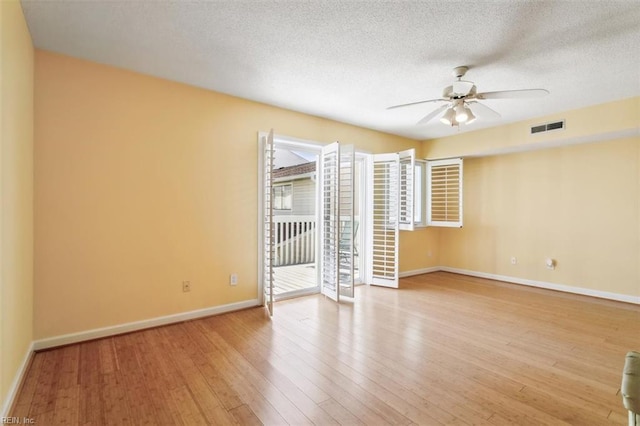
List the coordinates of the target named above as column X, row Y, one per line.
column 233, row 279
column 186, row 286
column 514, row 260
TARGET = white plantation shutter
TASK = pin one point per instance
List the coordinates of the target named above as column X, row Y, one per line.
column 444, row 183
column 407, row 189
column 383, row 214
column 268, row 228
column 337, row 223
column 347, row 227
column 330, row 220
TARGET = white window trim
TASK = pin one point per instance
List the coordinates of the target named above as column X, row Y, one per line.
column 422, row 200
column 280, row 185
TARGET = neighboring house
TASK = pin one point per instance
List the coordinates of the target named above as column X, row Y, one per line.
column 295, row 190
column 294, row 204
column 294, row 209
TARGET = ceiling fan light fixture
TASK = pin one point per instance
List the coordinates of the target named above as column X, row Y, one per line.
column 462, row 114
column 449, row 117
column 471, row 117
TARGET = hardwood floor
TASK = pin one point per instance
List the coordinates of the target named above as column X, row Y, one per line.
column 444, row 349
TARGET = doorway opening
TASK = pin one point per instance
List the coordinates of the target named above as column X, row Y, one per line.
column 295, row 194
column 292, row 226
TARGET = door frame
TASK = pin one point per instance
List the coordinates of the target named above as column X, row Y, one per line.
column 311, row 146
column 303, row 145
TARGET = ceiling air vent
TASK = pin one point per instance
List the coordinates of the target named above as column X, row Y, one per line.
column 556, row 125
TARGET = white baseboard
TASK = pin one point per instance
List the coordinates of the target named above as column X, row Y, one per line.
column 551, row 286
column 97, row 333
column 15, row 385
column 405, row 274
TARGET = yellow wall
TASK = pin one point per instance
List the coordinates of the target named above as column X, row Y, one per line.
column 578, row 204
column 142, row 183
column 419, row 249
column 16, row 192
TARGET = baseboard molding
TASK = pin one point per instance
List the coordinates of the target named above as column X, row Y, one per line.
column 550, row 286
column 98, row 333
column 15, row 385
column 405, row 274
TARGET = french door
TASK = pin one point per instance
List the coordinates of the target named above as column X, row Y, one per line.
column 337, row 221
column 383, row 219
column 268, row 233
column 390, row 209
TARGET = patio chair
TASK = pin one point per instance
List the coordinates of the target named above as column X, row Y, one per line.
column 344, row 237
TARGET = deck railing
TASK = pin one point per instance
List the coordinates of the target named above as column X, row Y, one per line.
column 295, row 238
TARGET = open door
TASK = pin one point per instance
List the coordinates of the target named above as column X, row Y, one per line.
column 383, row 212
column 336, row 224
column 330, row 221
column 268, row 228
column 406, row 189
column 346, row 206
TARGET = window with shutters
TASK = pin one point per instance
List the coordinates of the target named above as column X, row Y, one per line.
column 282, row 195
column 444, row 201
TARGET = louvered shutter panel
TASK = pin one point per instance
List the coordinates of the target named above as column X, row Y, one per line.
column 347, row 228
column 444, row 206
column 383, row 220
column 330, row 220
column 268, row 237
column 407, row 189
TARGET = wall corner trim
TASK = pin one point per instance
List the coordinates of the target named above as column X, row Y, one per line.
column 7, row 404
column 98, row 333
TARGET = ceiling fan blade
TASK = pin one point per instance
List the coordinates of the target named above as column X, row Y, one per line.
column 432, row 114
column 461, row 87
column 513, row 94
column 416, row 103
column 482, row 110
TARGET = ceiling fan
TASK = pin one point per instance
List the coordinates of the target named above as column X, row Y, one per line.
column 462, row 100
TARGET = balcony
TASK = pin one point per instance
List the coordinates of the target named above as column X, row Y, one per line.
column 295, row 253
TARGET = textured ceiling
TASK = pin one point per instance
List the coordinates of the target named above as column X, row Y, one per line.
column 348, row 60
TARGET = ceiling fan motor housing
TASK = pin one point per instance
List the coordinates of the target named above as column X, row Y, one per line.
column 459, row 72
column 449, row 93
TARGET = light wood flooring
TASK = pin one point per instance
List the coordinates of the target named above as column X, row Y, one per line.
column 443, row 349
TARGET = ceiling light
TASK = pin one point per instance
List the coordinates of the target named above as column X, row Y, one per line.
column 449, row 117
column 472, row 117
column 461, row 113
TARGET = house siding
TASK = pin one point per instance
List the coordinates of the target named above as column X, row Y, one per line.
column 304, row 198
